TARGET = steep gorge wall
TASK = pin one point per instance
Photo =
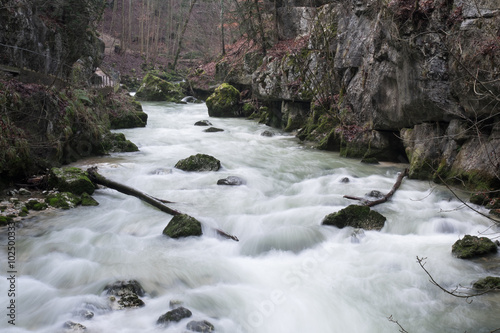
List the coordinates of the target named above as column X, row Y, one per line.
column 405, row 79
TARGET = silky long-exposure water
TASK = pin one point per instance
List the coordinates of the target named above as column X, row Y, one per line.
column 288, row 273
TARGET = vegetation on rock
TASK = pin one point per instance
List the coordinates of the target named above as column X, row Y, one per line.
column 183, row 226
column 224, row 102
column 199, row 162
column 471, row 247
column 357, row 217
column 154, row 88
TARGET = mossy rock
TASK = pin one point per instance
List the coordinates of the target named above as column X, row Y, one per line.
column 4, row 220
column 183, row 226
column 34, row 204
column 473, row 247
column 224, row 102
column 479, row 198
column 87, row 200
column 154, row 88
column 117, row 143
column 64, row 200
column 488, row 283
column 199, row 162
column 200, row 326
column 357, row 217
column 129, row 120
column 174, row 315
column 72, row 180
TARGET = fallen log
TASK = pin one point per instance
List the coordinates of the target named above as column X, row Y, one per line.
column 97, row 178
column 371, row 203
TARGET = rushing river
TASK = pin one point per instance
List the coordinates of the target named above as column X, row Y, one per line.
column 287, row 274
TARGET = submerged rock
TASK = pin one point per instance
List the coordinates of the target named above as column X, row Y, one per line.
column 224, row 102
column 183, row 226
column 199, row 162
column 72, row 180
column 174, row 315
column 267, row 133
column 232, row 181
column 128, row 293
column 120, row 288
column 213, row 129
column 200, row 326
column 203, row 123
column 70, row 326
column 473, row 247
column 488, row 283
column 357, row 217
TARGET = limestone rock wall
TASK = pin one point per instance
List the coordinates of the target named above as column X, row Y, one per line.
column 418, row 80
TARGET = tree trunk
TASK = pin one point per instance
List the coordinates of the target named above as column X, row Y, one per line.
column 222, row 26
column 371, row 203
column 181, row 37
column 155, row 202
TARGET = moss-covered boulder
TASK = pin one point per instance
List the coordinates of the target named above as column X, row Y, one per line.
column 473, row 247
column 183, row 226
column 224, row 102
column 488, row 283
column 199, row 162
column 64, row 200
column 357, row 217
column 117, row 143
column 5, row 220
column 174, row 315
column 72, row 180
column 129, row 120
column 155, row 89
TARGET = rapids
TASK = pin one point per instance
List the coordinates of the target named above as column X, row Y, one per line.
column 288, row 273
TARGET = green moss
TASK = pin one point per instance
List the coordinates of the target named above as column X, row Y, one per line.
column 488, row 283
column 248, row 109
column 183, row 226
column 117, row 143
column 129, row 120
column 36, row 205
column 154, row 88
column 64, row 200
column 199, row 162
column 357, row 217
column 224, row 102
column 4, row 220
column 472, row 247
column 87, row 200
column 72, row 180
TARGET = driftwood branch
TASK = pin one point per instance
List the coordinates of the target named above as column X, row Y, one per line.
column 97, row 178
column 371, row 203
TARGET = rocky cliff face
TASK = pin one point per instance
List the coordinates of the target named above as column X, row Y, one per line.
column 51, row 37
column 398, row 80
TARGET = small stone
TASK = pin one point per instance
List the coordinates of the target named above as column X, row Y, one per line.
column 345, row 180
column 23, row 191
column 203, row 123
column 231, row 181
column 74, row 327
column 267, row 133
column 200, row 326
column 174, row 315
column 213, row 130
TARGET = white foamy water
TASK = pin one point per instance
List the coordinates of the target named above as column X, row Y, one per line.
column 288, row 273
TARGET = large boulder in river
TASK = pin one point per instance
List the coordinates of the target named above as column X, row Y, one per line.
column 488, row 283
column 199, row 162
column 224, row 102
column 155, row 89
column 72, row 180
column 357, row 217
column 183, row 226
column 473, row 247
